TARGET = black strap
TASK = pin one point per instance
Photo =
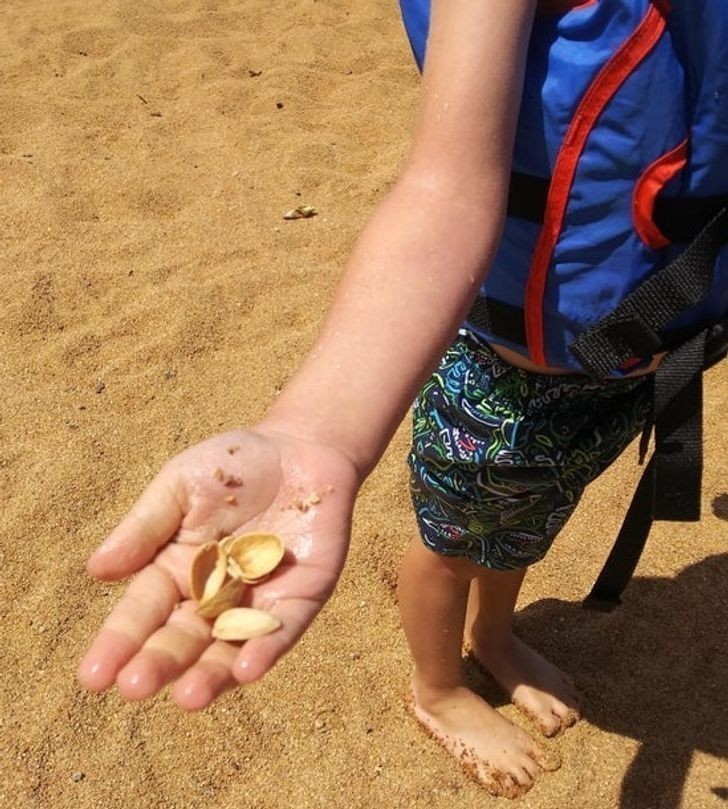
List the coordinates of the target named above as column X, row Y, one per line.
column 716, row 344
column 678, row 432
column 499, row 318
column 633, row 328
column 680, row 219
column 527, row 197
column 669, row 488
column 606, row 594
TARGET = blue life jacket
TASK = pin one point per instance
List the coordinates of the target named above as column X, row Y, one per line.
column 623, row 133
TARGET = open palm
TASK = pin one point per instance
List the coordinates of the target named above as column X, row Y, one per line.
column 251, row 480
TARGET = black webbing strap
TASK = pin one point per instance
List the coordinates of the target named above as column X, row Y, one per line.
column 499, row 318
column 606, row 593
column 678, row 432
column 669, row 488
column 632, row 329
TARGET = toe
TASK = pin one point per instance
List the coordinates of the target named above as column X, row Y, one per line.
column 524, row 774
column 529, row 768
column 565, row 715
column 571, row 718
column 546, row 760
column 550, row 725
column 510, row 787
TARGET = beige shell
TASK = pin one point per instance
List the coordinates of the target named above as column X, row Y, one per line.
column 233, row 569
column 301, row 212
column 255, row 555
column 226, row 542
column 227, row 597
column 244, row 623
column 207, row 572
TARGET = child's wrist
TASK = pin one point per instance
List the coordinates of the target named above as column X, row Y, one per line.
column 322, row 432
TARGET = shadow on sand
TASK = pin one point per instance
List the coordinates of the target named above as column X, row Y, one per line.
column 655, row 670
column 720, row 506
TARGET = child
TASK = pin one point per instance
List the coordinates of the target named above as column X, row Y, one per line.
column 503, row 444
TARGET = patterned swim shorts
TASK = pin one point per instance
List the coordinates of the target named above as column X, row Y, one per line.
column 500, row 456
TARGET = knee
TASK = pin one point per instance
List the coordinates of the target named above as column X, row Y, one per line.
column 423, row 563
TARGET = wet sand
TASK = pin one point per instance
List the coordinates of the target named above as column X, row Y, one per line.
column 150, row 295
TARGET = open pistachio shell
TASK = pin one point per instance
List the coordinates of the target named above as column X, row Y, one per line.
column 243, row 623
column 207, row 572
column 226, row 542
column 233, row 569
column 227, row 597
column 255, row 555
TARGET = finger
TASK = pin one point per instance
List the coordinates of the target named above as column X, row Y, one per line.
column 259, row 655
column 208, row 678
column 169, row 652
column 151, row 521
column 147, row 603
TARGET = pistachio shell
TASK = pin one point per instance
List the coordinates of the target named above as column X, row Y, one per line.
column 244, row 623
column 226, row 542
column 256, row 555
column 225, row 598
column 207, row 572
column 233, row 569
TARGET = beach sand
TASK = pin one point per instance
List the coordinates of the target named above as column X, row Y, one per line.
column 151, row 295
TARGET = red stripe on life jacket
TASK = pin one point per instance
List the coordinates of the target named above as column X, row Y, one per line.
column 610, row 78
column 648, row 187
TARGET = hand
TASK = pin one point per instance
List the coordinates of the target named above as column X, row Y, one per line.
column 253, row 480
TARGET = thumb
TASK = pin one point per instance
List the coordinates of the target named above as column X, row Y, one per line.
column 150, row 523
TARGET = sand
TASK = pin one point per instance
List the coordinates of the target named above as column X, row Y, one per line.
column 151, row 295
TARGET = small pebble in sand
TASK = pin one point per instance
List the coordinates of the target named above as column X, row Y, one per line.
column 78, row 776
column 301, row 212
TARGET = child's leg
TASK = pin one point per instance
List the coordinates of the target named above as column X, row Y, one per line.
column 433, row 595
column 536, row 686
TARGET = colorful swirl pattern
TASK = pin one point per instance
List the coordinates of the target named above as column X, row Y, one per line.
column 501, row 456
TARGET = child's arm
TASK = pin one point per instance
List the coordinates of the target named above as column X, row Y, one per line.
column 423, row 255
column 408, row 285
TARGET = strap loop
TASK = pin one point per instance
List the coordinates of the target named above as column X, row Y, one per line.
column 653, row 305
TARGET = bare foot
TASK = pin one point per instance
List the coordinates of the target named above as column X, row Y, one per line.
column 539, row 689
column 500, row 756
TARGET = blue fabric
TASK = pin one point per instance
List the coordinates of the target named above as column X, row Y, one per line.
column 679, row 90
